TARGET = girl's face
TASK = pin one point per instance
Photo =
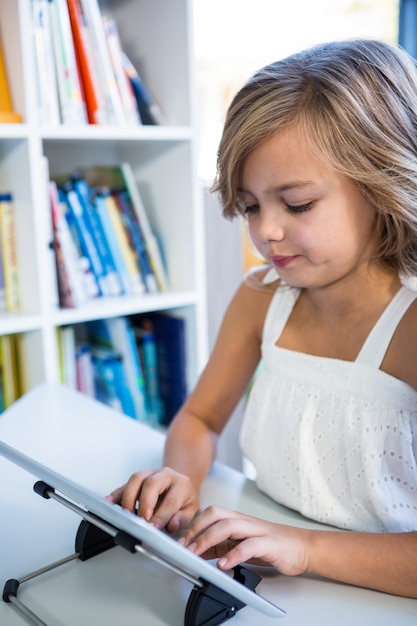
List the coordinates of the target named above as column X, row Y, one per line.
column 310, row 222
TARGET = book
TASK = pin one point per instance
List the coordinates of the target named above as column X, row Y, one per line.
column 102, row 210
column 130, row 108
column 89, row 279
column 146, row 344
column 47, row 88
column 83, row 231
column 72, row 289
column 67, row 347
column 169, row 331
column 85, row 369
column 93, row 97
column 7, row 114
column 149, row 111
column 109, row 384
column 116, row 334
column 9, row 253
column 136, row 284
column 101, row 62
column 71, row 103
column 93, row 221
column 136, row 239
column 121, row 177
column 9, row 370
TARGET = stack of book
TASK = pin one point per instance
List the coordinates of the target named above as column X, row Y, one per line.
column 84, row 76
column 103, row 242
column 135, row 365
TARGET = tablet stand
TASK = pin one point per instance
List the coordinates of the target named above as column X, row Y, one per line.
column 207, row 605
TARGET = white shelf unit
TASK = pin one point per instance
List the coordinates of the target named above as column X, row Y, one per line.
column 157, row 36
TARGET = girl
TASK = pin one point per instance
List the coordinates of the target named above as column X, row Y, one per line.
column 319, row 153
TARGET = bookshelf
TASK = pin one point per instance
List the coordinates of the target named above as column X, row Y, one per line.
column 157, row 37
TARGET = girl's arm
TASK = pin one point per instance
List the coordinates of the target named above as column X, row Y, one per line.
column 384, row 562
column 169, row 497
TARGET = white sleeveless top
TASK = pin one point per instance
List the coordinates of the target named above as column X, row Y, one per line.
column 335, row 440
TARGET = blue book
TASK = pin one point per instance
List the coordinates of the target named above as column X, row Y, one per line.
column 89, row 279
column 149, row 111
column 136, row 238
column 171, row 357
column 114, row 246
column 146, row 343
column 87, row 243
column 109, row 379
column 116, row 333
column 93, row 222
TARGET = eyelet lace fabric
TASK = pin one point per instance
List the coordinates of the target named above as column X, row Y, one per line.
column 335, row 440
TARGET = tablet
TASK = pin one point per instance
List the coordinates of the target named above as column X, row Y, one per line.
column 153, row 540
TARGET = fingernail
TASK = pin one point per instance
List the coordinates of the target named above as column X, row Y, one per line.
column 222, row 563
column 181, row 541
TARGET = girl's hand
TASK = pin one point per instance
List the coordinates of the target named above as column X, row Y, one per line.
column 163, row 497
column 237, row 538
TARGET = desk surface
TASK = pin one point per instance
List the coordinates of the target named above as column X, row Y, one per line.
column 99, row 449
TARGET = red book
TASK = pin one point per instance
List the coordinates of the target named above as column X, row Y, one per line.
column 93, row 100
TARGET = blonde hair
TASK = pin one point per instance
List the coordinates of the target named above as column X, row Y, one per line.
column 356, row 104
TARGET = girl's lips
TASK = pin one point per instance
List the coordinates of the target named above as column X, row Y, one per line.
column 282, row 261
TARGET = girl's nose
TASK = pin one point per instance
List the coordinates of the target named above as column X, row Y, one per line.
column 270, row 226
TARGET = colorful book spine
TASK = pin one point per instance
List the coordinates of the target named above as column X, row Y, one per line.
column 127, row 97
column 109, row 382
column 85, row 369
column 92, row 219
column 85, row 235
column 92, row 94
column 102, row 64
column 116, row 334
column 122, row 272
column 67, row 347
column 137, row 239
column 171, row 358
column 146, row 344
column 71, row 102
column 69, row 268
column 9, row 253
column 48, row 100
column 154, row 252
column 136, row 284
column 149, row 110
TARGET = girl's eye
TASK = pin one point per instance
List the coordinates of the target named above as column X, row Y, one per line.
column 299, row 208
column 252, row 208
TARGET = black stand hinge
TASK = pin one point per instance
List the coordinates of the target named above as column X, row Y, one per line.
column 208, row 605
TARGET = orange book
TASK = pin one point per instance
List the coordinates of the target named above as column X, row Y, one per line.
column 7, row 115
column 92, row 97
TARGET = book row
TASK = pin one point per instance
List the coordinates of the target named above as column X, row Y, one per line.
column 135, row 365
column 83, row 73
column 102, row 238
column 103, row 242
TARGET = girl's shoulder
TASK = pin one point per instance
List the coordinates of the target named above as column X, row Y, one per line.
column 263, row 278
column 400, row 358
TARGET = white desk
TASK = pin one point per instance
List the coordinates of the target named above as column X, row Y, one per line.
column 99, row 449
